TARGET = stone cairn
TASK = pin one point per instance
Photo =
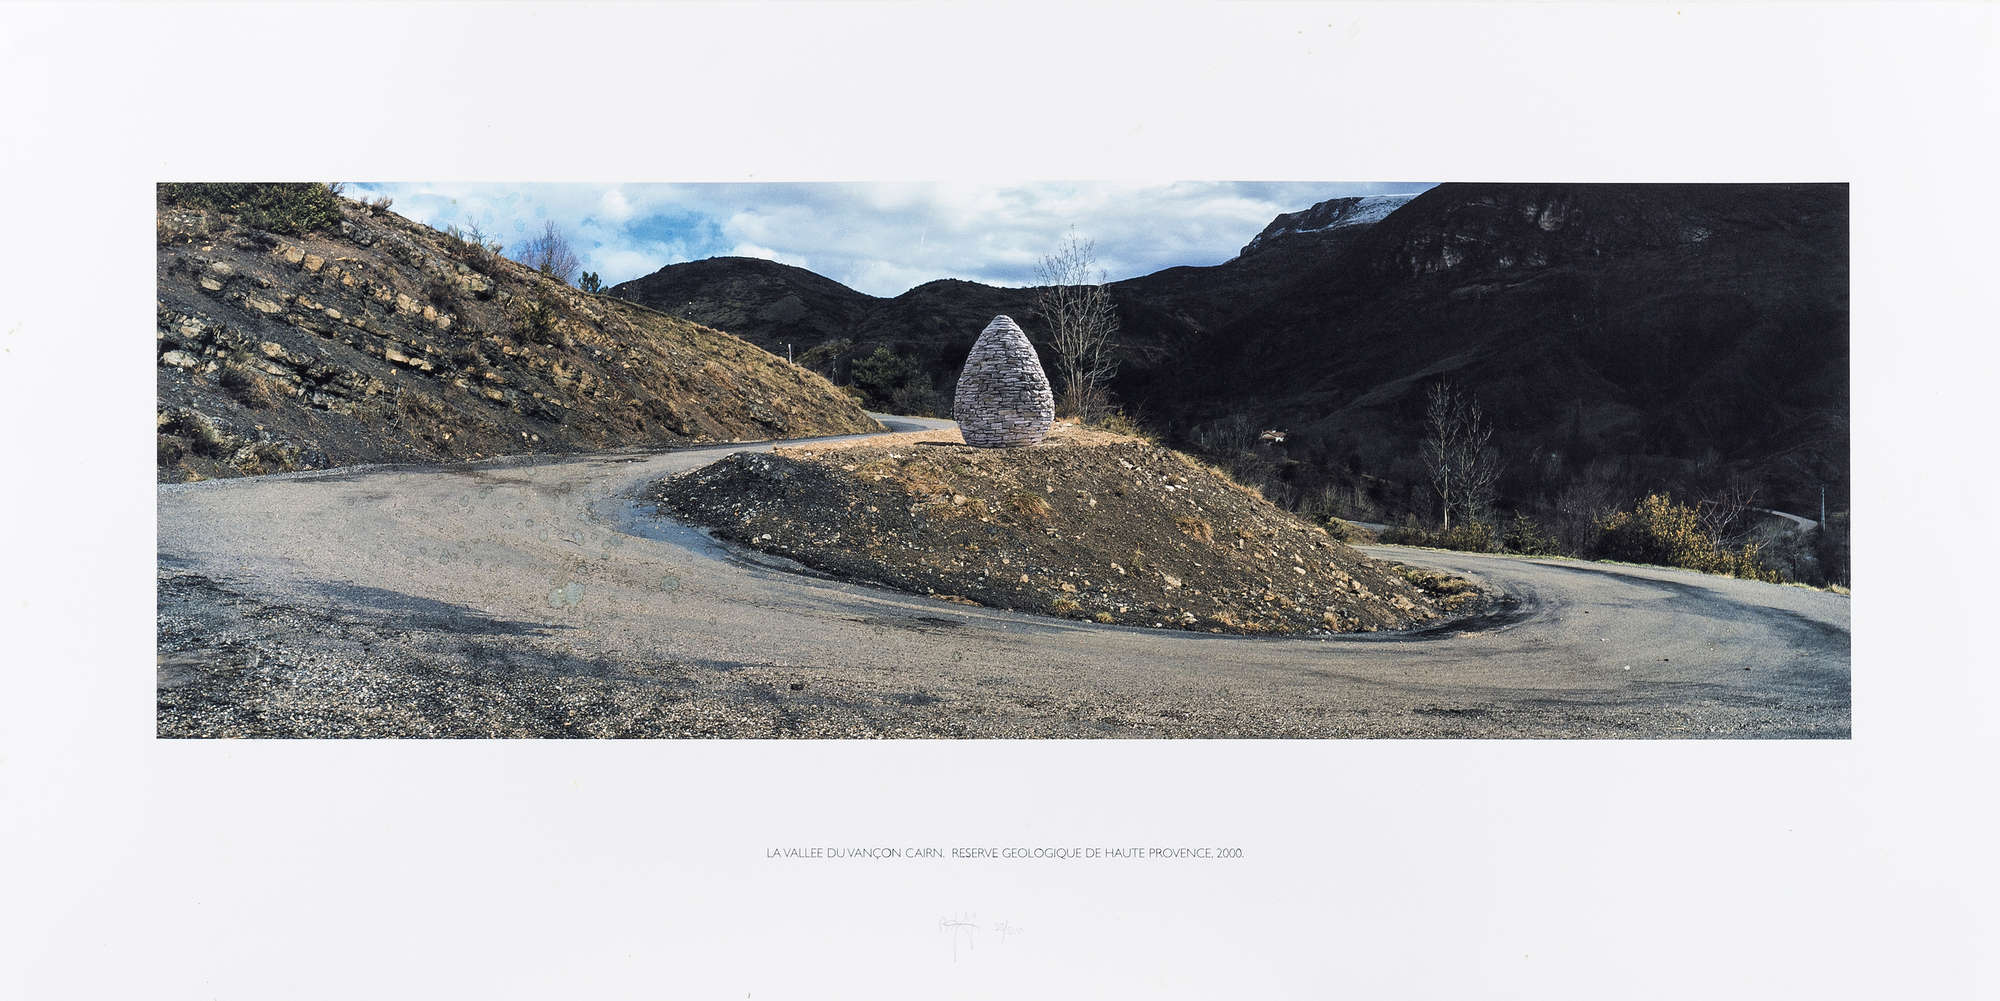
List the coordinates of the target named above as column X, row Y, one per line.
column 1003, row 397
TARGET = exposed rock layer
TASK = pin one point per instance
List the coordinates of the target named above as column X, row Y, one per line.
column 385, row 341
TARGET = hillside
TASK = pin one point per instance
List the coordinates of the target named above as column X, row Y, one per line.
column 777, row 306
column 1664, row 334
column 332, row 333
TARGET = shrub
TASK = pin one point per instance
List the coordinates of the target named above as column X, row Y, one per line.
column 202, row 436
column 1664, row 533
column 915, row 399
column 470, row 246
column 1471, row 537
column 441, row 291
column 420, row 406
column 825, row 356
column 248, row 387
column 540, row 322
column 1118, row 423
column 551, row 254
column 1030, row 505
column 290, row 208
column 1343, row 531
column 885, row 373
column 1524, row 535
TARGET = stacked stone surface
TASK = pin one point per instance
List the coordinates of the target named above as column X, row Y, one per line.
column 1003, row 395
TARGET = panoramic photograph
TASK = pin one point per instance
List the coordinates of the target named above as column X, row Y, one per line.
column 1198, row 459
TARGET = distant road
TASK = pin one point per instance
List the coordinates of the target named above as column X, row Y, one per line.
column 532, row 597
column 1802, row 524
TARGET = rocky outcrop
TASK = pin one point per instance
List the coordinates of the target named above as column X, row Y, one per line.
column 1003, row 396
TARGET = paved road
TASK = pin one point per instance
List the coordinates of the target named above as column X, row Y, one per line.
column 533, row 598
column 1799, row 523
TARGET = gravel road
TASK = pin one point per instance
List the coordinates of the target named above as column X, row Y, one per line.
column 533, row 597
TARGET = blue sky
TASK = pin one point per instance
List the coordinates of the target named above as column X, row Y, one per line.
column 879, row 238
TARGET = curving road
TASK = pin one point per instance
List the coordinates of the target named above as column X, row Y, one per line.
column 533, row 598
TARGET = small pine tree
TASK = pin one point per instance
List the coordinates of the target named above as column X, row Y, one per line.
column 590, row 282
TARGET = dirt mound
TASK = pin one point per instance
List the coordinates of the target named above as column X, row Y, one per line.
column 354, row 335
column 1086, row 526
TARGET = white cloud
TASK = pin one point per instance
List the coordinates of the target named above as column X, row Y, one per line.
column 614, row 207
column 766, row 253
column 879, row 238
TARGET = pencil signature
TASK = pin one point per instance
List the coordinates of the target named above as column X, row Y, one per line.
column 965, row 929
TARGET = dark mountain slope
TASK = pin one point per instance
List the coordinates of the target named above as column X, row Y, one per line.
column 764, row 301
column 1662, row 325
column 1161, row 315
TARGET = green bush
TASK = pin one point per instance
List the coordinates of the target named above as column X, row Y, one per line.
column 1523, row 535
column 540, row 322
column 277, row 207
column 891, row 380
column 825, row 356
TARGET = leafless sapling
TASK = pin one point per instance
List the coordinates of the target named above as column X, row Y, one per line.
column 1082, row 323
column 1463, row 466
column 551, row 254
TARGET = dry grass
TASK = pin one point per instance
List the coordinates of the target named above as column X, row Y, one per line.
column 1222, row 475
column 914, row 476
column 1196, row 528
column 1029, row 505
column 249, row 387
column 1062, row 434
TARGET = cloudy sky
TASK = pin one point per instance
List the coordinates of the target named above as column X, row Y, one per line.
column 879, row 238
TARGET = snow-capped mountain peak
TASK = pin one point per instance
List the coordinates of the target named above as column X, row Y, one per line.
column 1334, row 213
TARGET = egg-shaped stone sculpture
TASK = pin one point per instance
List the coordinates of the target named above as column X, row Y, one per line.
column 1003, row 395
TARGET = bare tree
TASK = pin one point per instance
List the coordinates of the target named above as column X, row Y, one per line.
column 1072, row 300
column 1581, row 505
column 551, row 254
column 1721, row 513
column 1463, row 466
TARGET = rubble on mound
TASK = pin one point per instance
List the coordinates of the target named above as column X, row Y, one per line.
column 1098, row 527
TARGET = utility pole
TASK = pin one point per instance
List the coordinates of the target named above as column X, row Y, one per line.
column 788, row 361
column 1822, row 507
